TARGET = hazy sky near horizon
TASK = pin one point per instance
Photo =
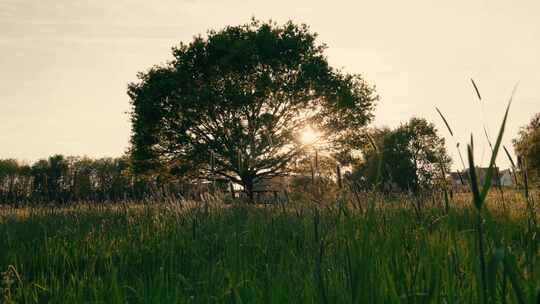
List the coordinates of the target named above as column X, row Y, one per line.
column 65, row 64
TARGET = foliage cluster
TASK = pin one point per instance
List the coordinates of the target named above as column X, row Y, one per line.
column 411, row 157
column 68, row 179
column 233, row 104
column 527, row 146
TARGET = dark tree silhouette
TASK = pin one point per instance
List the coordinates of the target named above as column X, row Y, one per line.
column 231, row 105
column 67, row 179
column 527, row 147
column 409, row 157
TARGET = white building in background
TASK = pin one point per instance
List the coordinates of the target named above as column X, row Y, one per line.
column 461, row 179
column 506, row 178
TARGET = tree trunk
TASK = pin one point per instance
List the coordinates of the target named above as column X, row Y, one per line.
column 232, row 190
column 248, row 188
column 338, row 173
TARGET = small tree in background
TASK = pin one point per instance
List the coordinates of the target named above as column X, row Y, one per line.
column 232, row 104
column 527, row 147
column 410, row 157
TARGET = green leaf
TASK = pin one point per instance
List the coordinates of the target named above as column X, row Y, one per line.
column 496, row 259
column 491, row 168
column 512, row 164
column 476, row 90
column 510, row 267
column 474, row 180
column 445, row 122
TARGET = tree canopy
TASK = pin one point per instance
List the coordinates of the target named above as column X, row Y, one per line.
column 232, row 104
column 527, row 147
column 410, row 157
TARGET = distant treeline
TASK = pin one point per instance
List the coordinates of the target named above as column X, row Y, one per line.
column 63, row 179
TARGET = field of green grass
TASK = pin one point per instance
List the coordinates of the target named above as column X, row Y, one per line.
column 369, row 250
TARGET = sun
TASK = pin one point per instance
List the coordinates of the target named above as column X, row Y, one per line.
column 309, row 136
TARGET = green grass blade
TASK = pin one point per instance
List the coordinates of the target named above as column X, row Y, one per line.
column 510, row 267
column 472, row 174
column 514, row 170
column 491, row 168
column 509, row 157
column 488, row 140
column 476, row 90
column 445, row 122
column 496, row 259
column 460, row 157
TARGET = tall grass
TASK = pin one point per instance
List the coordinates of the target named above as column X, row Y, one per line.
column 362, row 247
column 180, row 252
column 488, row 272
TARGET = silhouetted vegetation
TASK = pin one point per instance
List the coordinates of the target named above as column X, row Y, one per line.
column 527, row 146
column 61, row 179
column 411, row 157
column 232, row 105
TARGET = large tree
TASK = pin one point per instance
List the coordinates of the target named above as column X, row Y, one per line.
column 410, row 157
column 232, row 104
column 527, row 146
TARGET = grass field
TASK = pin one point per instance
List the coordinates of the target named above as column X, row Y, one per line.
column 372, row 250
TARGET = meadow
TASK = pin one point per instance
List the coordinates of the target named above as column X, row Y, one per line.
column 370, row 248
column 355, row 212
column 347, row 245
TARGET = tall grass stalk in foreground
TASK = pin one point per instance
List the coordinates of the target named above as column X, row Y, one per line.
column 183, row 252
column 457, row 143
column 488, row 275
column 170, row 251
column 524, row 186
column 443, row 173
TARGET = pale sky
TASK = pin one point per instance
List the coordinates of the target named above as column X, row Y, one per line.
column 65, row 64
